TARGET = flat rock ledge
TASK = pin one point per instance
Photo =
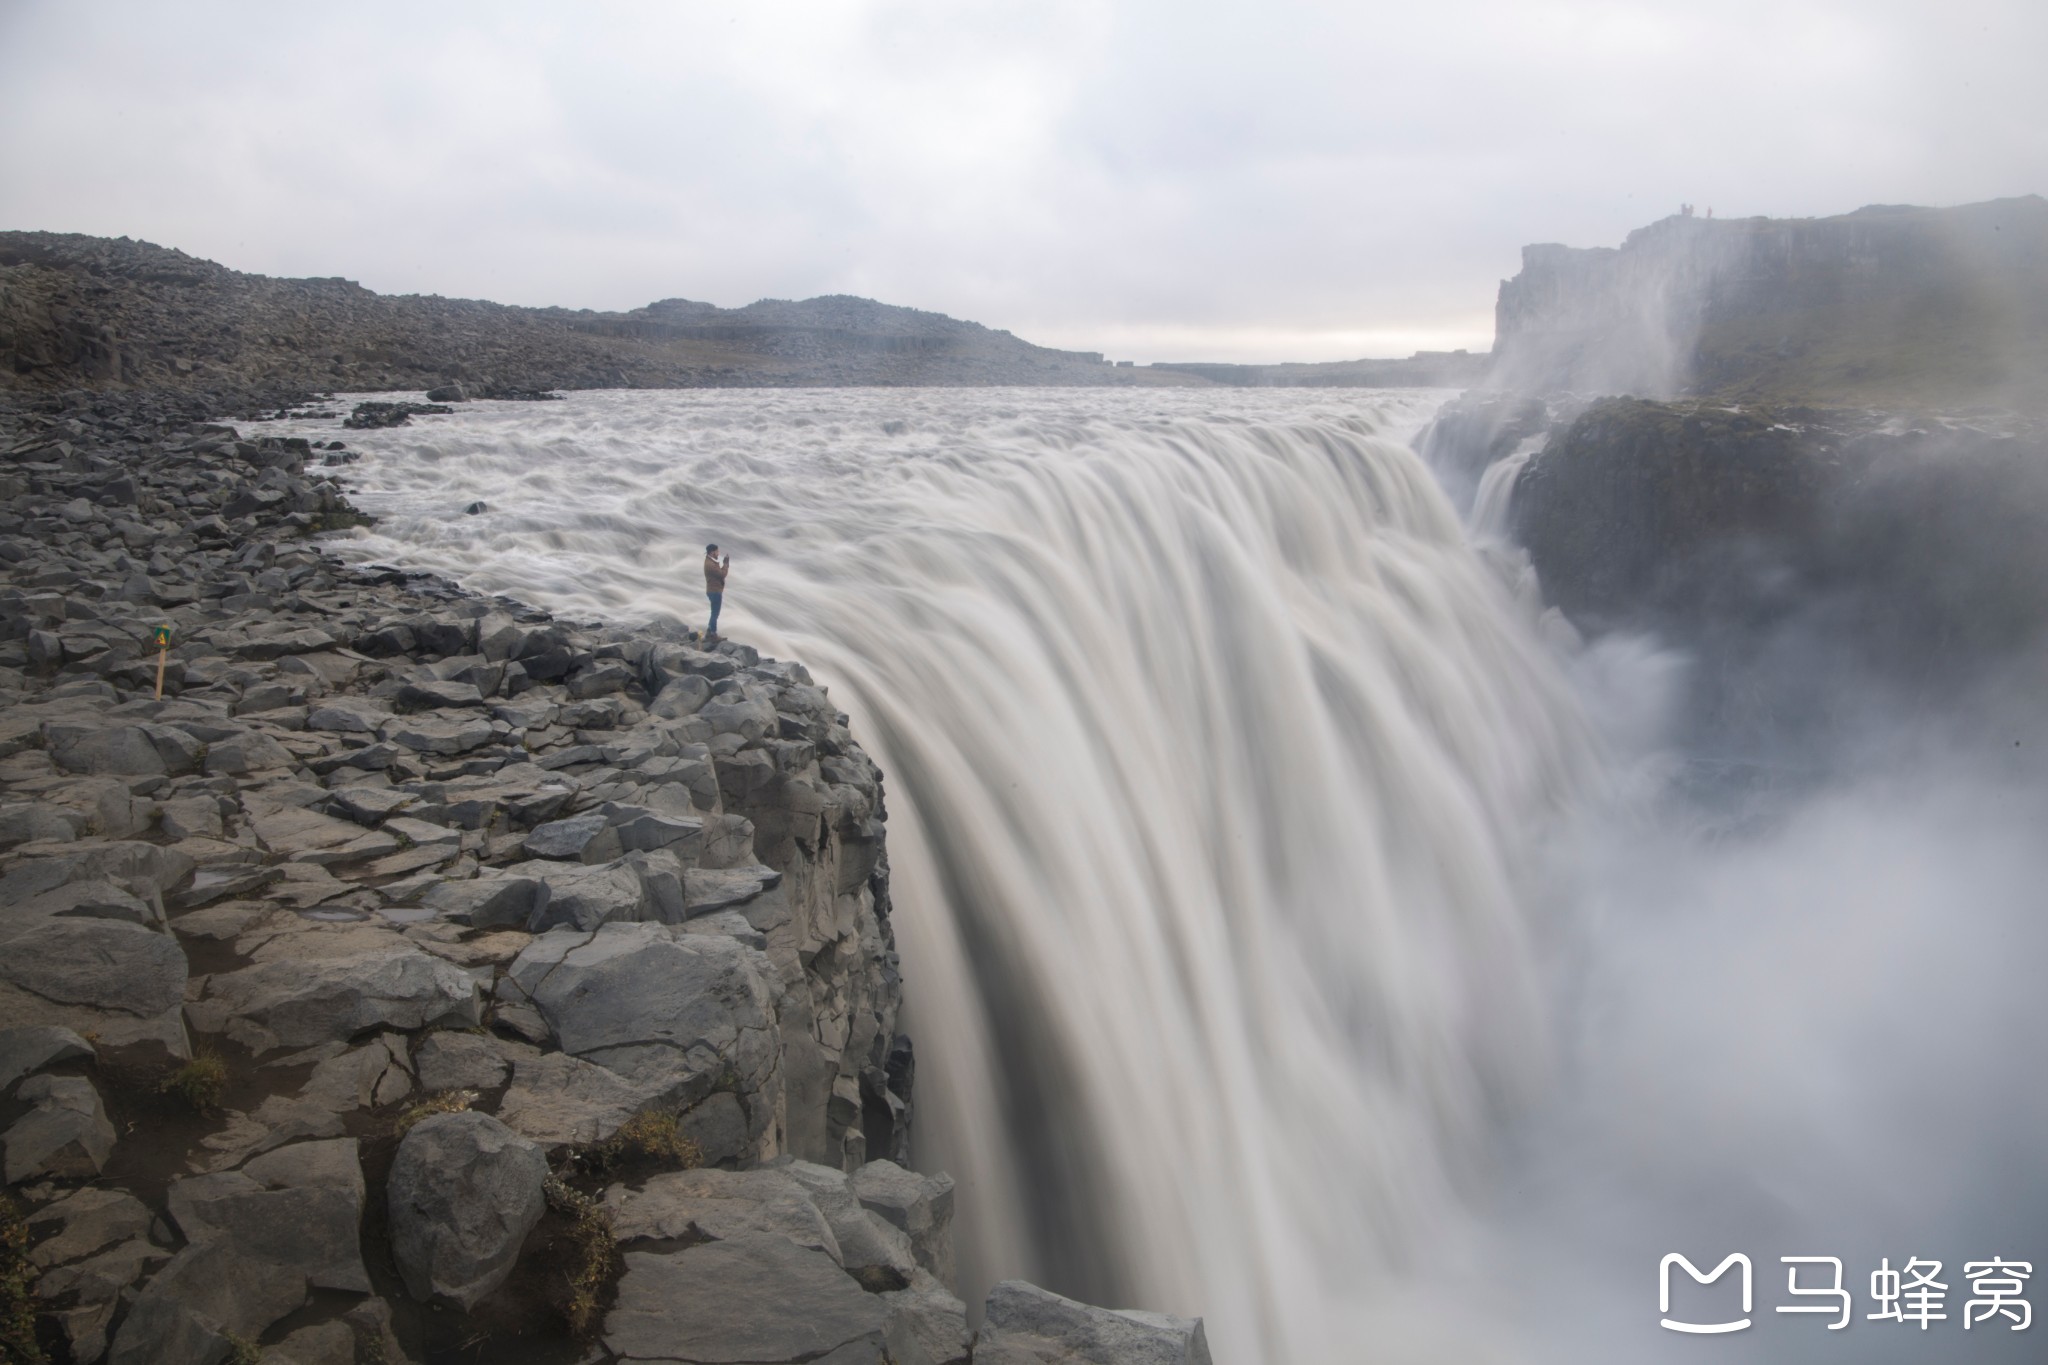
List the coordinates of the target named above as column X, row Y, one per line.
column 410, row 936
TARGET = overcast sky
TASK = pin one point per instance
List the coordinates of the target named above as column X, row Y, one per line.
column 1157, row 179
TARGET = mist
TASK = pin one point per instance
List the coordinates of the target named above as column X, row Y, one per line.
column 1792, row 954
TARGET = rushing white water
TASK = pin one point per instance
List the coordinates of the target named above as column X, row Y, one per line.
column 1229, row 794
column 1216, row 764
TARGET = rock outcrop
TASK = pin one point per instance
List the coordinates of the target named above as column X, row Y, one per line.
column 549, row 900
column 418, row 972
column 1889, row 305
column 1813, row 562
column 1025, row 1325
column 92, row 311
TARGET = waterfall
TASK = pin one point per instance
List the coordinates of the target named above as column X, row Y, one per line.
column 1219, row 768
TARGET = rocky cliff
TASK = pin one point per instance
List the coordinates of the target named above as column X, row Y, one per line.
column 1890, row 305
column 1814, row 562
column 420, row 977
column 95, row 312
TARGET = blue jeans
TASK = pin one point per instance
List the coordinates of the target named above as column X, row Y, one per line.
column 717, row 601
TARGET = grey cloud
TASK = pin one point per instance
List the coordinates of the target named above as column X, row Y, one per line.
column 1178, row 180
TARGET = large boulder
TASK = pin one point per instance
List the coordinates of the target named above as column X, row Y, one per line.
column 927, row 1324
column 88, row 1220
column 721, row 1205
column 583, row 897
column 27, row 1050
column 754, row 1298
column 66, row 1135
column 107, row 964
column 1026, row 1325
column 299, row 1206
column 675, row 1012
column 874, row 1251
column 193, row 1310
column 918, row 1205
column 464, row 1191
column 294, row 1002
column 558, row 1100
column 112, row 751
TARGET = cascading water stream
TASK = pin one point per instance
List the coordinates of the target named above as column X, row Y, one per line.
column 1217, row 770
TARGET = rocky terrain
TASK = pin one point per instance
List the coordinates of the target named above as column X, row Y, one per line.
column 1890, row 306
column 1811, row 560
column 423, row 978
column 96, row 312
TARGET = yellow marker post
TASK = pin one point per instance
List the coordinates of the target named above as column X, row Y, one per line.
column 163, row 652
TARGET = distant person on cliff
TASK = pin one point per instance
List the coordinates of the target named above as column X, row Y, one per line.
column 715, row 570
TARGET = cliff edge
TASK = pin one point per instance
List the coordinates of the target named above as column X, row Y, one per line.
column 1890, row 305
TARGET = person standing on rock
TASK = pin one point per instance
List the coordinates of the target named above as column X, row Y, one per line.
column 714, row 585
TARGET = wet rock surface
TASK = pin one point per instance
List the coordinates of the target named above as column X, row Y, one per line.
column 412, row 949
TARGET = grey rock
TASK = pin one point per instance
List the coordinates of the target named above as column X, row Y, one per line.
column 584, row 838
column 1031, row 1326
column 297, row 1002
column 95, row 899
column 368, row 805
column 920, row 1205
column 556, row 1099
column 347, row 715
column 751, row 718
column 718, row 1125
column 298, row 1206
column 927, row 1325
column 26, row 1050
column 493, row 900
column 755, row 1298
column 570, row 757
column 192, row 817
column 323, row 1343
column 641, row 830
column 873, row 1250
column 248, row 752
column 115, row 751
column 464, row 1191
column 684, row 696
column 459, row 1061
column 436, row 735
column 436, row 695
column 745, row 778
column 706, row 891
column 65, row 1135
column 104, row 963
column 179, row 749
column 721, row 1205
column 671, row 1012
column 128, row 862
column 604, row 677
column 208, row 1293
column 584, row 897
column 94, row 1286
column 89, row 1220
column 361, row 1078
column 37, row 822
column 278, row 641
